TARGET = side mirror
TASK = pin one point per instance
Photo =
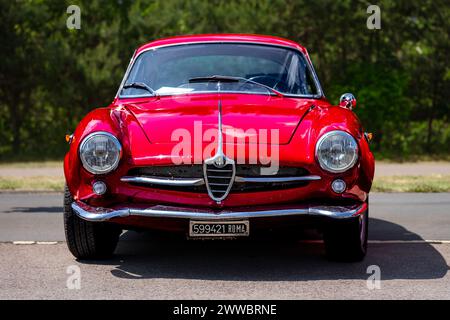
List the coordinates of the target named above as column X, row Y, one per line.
column 348, row 101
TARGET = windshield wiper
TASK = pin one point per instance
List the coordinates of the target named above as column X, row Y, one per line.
column 139, row 85
column 229, row 79
column 215, row 79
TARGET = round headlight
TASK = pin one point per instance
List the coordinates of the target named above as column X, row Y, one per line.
column 337, row 151
column 100, row 152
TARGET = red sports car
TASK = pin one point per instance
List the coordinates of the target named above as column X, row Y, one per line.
column 219, row 136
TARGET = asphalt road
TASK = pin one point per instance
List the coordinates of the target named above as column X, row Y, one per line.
column 409, row 241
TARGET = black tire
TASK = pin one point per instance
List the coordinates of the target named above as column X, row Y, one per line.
column 88, row 240
column 347, row 240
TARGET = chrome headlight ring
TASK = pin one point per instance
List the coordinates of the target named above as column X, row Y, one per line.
column 100, row 152
column 336, row 151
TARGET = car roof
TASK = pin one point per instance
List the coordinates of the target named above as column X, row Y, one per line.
column 202, row 38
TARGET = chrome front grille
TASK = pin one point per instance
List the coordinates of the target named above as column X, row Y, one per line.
column 219, row 180
column 196, row 171
column 179, row 171
column 194, row 178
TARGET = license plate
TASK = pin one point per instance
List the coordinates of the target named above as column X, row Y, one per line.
column 218, row 229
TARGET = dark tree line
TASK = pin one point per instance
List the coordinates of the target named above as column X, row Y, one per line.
column 50, row 76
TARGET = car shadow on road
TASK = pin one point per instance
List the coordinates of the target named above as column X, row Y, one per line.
column 149, row 255
column 54, row 209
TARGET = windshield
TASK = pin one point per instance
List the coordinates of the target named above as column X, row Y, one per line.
column 168, row 70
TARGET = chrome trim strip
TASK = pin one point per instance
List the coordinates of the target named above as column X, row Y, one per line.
column 164, row 181
column 199, row 182
column 314, row 73
column 135, row 96
column 276, row 179
column 127, row 71
column 95, row 214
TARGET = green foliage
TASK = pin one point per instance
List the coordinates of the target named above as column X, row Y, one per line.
column 51, row 76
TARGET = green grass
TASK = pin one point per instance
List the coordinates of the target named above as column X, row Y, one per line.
column 433, row 183
column 411, row 158
column 33, row 164
column 48, row 184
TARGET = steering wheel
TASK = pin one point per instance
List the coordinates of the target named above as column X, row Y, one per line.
column 270, row 81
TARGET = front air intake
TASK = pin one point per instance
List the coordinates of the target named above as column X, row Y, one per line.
column 219, row 178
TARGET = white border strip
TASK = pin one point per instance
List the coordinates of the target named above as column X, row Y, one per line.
column 391, row 241
column 31, row 242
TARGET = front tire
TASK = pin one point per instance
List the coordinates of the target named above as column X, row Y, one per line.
column 347, row 240
column 88, row 240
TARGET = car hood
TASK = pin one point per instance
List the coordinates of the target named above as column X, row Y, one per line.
column 244, row 116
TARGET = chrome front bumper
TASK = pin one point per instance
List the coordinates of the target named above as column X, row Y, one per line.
column 90, row 213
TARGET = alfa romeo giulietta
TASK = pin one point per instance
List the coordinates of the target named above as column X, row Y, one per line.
column 216, row 137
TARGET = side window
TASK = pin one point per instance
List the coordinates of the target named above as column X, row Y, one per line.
column 310, row 84
column 300, row 79
column 139, row 73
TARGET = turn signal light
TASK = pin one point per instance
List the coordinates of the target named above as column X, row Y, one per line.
column 69, row 138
